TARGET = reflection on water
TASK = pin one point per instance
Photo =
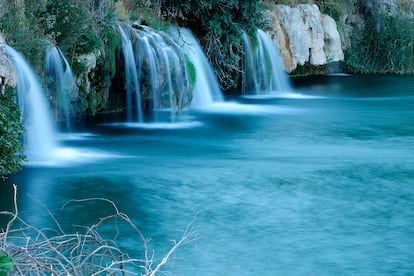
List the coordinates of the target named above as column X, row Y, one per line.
column 283, row 186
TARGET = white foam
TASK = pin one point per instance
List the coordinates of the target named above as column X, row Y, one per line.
column 76, row 136
column 289, row 95
column 238, row 108
column 339, row 75
column 166, row 125
column 67, row 156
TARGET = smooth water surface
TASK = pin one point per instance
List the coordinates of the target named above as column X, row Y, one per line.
column 303, row 186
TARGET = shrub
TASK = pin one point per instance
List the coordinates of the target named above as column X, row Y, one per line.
column 11, row 131
column 219, row 25
column 385, row 44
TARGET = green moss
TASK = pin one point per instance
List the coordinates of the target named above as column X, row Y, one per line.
column 112, row 44
column 191, row 70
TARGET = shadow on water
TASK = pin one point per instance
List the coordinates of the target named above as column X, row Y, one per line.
column 365, row 86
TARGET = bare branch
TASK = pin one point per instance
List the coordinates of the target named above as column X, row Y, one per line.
column 16, row 213
column 53, row 252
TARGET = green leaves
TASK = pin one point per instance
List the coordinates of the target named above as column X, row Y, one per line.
column 385, row 44
column 6, row 264
column 218, row 24
column 11, row 130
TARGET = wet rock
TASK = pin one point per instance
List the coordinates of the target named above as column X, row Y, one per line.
column 7, row 73
column 89, row 62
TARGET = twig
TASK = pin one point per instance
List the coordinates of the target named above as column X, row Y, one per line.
column 16, row 213
column 49, row 212
column 36, row 252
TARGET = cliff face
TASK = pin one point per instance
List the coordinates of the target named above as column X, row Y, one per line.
column 7, row 73
column 304, row 35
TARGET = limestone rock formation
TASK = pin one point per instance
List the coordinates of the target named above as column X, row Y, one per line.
column 295, row 31
column 7, row 73
column 281, row 39
column 304, row 36
column 332, row 47
column 312, row 20
column 89, row 62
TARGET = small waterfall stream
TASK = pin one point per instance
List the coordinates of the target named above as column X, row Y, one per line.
column 262, row 68
column 39, row 141
column 156, row 56
column 206, row 89
column 60, row 81
column 131, row 75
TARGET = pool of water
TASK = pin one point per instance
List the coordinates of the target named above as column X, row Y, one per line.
column 317, row 183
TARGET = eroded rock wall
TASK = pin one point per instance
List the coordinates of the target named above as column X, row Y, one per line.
column 7, row 73
column 305, row 36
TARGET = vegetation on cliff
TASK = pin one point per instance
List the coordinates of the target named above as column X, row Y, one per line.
column 85, row 27
column 384, row 42
column 377, row 35
column 77, row 28
column 219, row 25
column 11, row 131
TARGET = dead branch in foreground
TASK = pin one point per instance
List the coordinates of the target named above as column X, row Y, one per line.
column 53, row 252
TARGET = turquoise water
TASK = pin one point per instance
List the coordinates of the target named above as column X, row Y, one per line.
column 318, row 183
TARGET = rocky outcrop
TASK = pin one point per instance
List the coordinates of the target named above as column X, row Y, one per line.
column 305, row 36
column 89, row 62
column 311, row 17
column 332, row 39
column 7, row 73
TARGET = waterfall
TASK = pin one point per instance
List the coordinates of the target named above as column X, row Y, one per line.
column 156, row 72
column 206, row 89
column 249, row 80
column 262, row 68
column 39, row 141
column 131, row 75
column 60, row 81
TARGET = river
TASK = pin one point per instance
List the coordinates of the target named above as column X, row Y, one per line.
column 320, row 182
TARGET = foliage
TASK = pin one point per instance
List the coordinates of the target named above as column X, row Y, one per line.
column 385, row 44
column 334, row 8
column 23, row 30
column 77, row 27
column 6, row 263
column 11, row 131
column 192, row 74
column 218, row 24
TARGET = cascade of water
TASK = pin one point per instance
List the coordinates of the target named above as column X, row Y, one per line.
column 262, row 68
column 206, row 89
column 131, row 75
column 60, row 80
column 40, row 144
column 156, row 56
column 249, row 80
